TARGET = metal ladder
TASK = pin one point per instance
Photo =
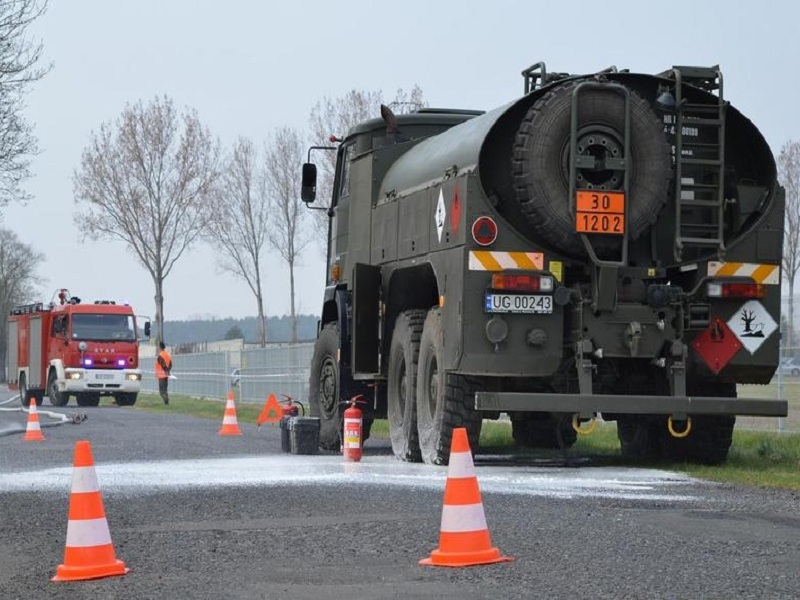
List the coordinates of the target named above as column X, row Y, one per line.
column 699, row 162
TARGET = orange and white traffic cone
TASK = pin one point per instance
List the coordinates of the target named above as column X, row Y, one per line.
column 463, row 536
column 33, row 431
column 230, row 426
column 89, row 553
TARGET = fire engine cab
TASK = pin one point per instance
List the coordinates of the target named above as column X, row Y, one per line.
column 66, row 348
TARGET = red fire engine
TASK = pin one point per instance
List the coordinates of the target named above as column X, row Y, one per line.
column 66, row 348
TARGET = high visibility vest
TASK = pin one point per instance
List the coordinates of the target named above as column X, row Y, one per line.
column 160, row 372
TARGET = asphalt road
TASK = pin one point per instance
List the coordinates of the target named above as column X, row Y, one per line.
column 198, row 515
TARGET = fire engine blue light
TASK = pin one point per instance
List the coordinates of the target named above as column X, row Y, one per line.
column 87, row 362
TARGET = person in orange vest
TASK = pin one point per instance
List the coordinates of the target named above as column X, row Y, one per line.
column 163, row 367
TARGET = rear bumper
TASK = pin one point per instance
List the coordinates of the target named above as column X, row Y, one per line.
column 586, row 405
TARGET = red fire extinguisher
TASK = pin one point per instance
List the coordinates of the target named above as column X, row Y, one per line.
column 351, row 446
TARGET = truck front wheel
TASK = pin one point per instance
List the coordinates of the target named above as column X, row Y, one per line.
column 402, row 385
column 324, row 387
column 87, row 399
column 125, row 399
column 56, row 398
column 444, row 400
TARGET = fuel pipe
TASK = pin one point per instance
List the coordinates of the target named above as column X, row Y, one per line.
column 60, row 418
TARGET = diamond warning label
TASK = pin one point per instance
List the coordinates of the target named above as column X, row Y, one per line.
column 752, row 325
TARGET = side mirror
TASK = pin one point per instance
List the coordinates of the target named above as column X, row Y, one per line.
column 147, row 328
column 308, row 189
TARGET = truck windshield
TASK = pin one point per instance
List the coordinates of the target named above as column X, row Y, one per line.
column 103, row 327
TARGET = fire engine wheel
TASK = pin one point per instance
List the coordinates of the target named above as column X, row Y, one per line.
column 541, row 160
column 25, row 394
column 544, row 431
column 444, row 400
column 87, row 399
column 125, row 399
column 402, row 385
column 324, row 387
column 56, row 398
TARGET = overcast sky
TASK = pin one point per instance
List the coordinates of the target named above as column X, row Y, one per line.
column 248, row 67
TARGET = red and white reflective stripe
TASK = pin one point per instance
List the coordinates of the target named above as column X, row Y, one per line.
column 461, row 518
column 229, row 420
column 461, row 465
column 84, row 480
column 88, row 533
column 490, row 260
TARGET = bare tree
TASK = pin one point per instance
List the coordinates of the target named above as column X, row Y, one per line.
column 789, row 176
column 238, row 227
column 20, row 60
column 283, row 158
column 147, row 181
column 18, row 264
column 335, row 117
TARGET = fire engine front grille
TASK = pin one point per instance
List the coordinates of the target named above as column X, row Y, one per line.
column 104, row 386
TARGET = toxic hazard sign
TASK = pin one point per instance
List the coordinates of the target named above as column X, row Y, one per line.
column 717, row 345
column 752, row 325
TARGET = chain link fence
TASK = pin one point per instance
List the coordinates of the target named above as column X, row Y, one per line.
column 279, row 370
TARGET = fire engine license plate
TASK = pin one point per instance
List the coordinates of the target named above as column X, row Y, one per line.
column 104, row 376
column 518, row 303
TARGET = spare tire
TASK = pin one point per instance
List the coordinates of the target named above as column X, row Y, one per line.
column 540, row 164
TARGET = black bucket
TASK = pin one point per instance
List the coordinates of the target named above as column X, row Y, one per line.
column 285, row 425
column 304, row 435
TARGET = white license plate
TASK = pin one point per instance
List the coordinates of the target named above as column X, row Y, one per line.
column 104, row 376
column 518, row 303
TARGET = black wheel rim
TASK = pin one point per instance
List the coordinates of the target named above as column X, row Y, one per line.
column 433, row 384
column 328, row 385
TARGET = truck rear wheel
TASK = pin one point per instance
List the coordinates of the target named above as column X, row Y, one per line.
column 323, row 386
column 56, row 398
column 402, row 385
column 639, row 436
column 25, row 394
column 541, row 161
column 444, row 400
column 544, row 431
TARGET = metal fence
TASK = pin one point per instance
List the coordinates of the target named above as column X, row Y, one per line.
column 257, row 373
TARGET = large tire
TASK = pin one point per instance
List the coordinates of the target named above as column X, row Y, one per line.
column 548, row 431
column 25, row 394
column 402, row 385
column 56, row 398
column 324, row 387
column 444, row 400
column 710, row 437
column 640, row 436
column 540, row 166
column 125, row 399
column 87, row 399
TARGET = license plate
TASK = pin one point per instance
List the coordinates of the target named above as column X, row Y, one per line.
column 104, row 376
column 518, row 303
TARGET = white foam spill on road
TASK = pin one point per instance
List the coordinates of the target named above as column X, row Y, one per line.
column 143, row 477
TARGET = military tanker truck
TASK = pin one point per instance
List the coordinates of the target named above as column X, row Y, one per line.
column 605, row 246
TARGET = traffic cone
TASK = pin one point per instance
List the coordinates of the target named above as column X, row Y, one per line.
column 33, row 431
column 463, row 536
column 89, row 553
column 230, row 426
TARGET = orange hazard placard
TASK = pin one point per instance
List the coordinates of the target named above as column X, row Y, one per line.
column 600, row 212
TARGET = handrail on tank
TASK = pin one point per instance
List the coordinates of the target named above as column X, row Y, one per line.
column 573, row 151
